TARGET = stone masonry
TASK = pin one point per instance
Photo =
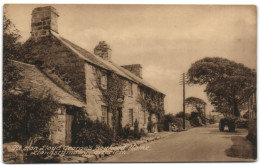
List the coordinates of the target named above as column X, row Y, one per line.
column 44, row 20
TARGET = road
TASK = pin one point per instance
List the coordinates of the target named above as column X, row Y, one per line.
column 199, row 144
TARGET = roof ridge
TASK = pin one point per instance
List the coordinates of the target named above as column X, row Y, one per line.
column 35, row 67
column 89, row 57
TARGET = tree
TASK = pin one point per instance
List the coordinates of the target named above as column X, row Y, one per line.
column 196, row 103
column 228, row 84
column 23, row 115
column 180, row 115
column 11, row 48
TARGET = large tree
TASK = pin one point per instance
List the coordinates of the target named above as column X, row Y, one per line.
column 228, row 84
column 23, row 115
column 196, row 103
column 11, row 48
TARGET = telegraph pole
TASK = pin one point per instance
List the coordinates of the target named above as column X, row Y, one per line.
column 205, row 114
column 183, row 82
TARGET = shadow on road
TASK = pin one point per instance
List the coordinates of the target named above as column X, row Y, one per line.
column 241, row 148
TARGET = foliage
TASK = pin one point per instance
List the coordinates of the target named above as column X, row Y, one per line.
column 179, row 123
column 137, row 133
column 168, row 118
column 228, row 84
column 11, row 36
column 88, row 133
column 57, row 60
column 11, row 51
column 196, row 103
column 151, row 100
column 180, row 115
column 25, row 116
column 115, row 89
column 196, row 119
column 128, row 133
column 246, row 115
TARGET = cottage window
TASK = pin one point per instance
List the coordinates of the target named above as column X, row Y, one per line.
column 130, row 89
column 103, row 80
column 131, row 117
column 104, row 116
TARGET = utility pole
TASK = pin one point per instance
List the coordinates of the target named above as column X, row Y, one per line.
column 183, row 79
column 205, row 114
column 183, row 82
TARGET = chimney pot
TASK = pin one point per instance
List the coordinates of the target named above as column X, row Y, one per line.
column 103, row 50
column 136, row 69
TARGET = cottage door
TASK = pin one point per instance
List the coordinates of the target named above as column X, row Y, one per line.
column 68, row 127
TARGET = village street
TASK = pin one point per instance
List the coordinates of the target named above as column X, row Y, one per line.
column 196, row 144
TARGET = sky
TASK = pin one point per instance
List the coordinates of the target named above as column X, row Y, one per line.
column 164, row 39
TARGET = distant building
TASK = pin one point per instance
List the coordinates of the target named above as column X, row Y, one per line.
column 74, row 70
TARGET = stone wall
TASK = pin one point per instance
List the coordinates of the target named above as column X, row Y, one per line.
column 94, row 101
column 44, row 19
column 12, row 153
column 93, row 94
column 130, row 102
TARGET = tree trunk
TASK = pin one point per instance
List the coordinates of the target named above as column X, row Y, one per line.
column 236, row 110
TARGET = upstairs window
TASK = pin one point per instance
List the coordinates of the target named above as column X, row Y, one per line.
column 103, row 80
column 131, row 117
column 104, row 116
column 130, row 89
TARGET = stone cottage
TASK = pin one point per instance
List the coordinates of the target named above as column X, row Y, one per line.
column 83, row 75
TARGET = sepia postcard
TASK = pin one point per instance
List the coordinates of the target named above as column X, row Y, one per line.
column 129, row 83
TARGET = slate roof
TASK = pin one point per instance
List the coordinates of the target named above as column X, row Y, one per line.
column 37, row 81
column 107, row 65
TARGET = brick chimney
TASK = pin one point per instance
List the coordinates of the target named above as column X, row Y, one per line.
column 44, row 20
column 136, row 69
column 103, row 50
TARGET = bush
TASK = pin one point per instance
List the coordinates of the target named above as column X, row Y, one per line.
column 137, row 133
column 180, row 115
column 88, row 133
column 168, row 118
column 127, row 133
column 25, row 116
column 160, row 127
column 195, row 119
